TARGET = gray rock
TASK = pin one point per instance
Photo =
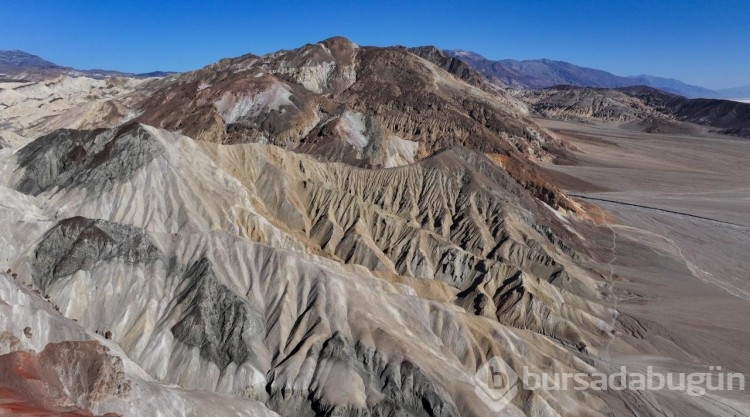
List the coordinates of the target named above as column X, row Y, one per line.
column 78, row 243
column 216, row 320
column 93, row 159
column 396, row 388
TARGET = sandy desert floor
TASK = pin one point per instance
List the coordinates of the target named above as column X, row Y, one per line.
column 681, row 251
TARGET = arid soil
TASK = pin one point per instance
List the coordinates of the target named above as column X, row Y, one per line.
column 679, row 261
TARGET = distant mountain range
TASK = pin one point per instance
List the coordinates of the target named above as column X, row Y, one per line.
column 530, row 74
column 23, row 65
column 543, row 73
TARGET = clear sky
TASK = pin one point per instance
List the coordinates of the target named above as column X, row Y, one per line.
column 700, row 42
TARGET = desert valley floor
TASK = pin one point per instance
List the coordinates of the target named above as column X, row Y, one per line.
column 679, row 207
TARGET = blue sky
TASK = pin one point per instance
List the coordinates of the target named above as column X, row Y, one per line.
column 701, row 42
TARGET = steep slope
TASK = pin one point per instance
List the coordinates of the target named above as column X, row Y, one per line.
column 50, row 365
column 314, row 287
column 453, row 65
column 282, row 97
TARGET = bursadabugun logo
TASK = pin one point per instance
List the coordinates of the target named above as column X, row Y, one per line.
column 496, row 384
column 694, row 383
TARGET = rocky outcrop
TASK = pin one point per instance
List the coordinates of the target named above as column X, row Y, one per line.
column 66, row 378
column 391, row 387
column 51, row 365
column 78, row 244
column 453, row 65
column 215, row 320
column 87, row 159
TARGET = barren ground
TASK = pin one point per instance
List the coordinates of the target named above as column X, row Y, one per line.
column 682, row 209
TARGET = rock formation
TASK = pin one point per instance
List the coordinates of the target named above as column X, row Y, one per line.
column 331, row 230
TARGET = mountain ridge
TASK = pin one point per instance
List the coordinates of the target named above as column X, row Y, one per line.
column 505, row 72
column 640, row 107
column 14, row 63
column 543, row 73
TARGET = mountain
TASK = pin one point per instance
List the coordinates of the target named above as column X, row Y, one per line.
column 257, row 271
column 538, row 73
column 543, row 73
column 332, row 230
column 741, row 93
column 329, row 230
column 725, row 116
column 16, row 65
column 644, row 108
column 673, row 86
column 368, row 106
column 14, row 61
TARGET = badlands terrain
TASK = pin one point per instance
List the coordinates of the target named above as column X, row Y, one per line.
column 354, row 231
column 640, row 108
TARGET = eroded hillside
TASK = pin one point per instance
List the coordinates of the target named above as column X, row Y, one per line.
column 331, row 230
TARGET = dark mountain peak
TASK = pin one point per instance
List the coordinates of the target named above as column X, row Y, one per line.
column 16, row 60
column 341, row 48
column 428, row 49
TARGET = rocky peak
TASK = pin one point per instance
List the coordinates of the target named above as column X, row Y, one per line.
column 451, row 64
